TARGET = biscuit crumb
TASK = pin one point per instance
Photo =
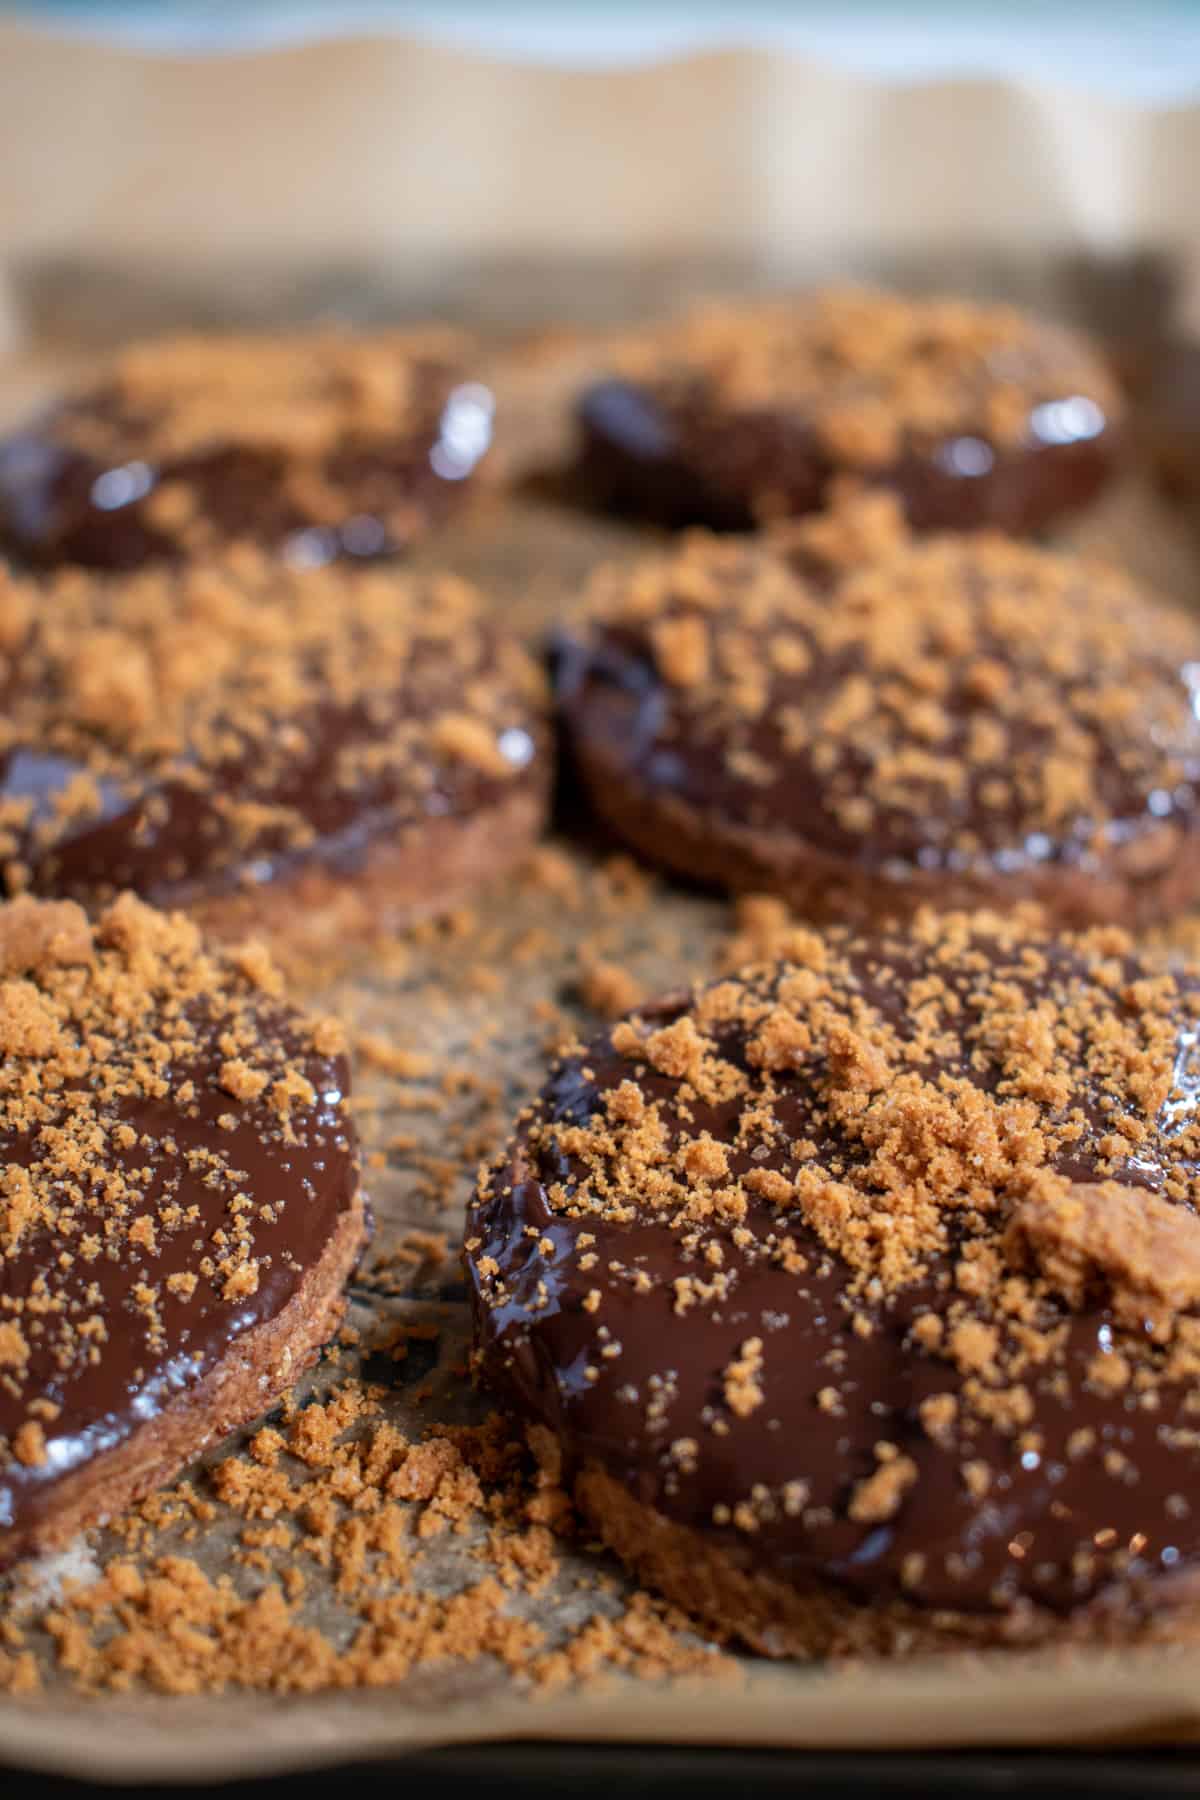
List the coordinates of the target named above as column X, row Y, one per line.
column 879, row 1497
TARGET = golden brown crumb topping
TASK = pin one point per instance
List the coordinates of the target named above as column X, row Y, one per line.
column 904, row 1223
column 955, row 702
column 173, row 1155
column 312, row 446
column 903, row 1094
column 306, row 395
column 183, row 726
column 872, row 372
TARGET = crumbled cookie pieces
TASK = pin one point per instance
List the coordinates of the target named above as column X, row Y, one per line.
column 870, row 371
column 337, row 1490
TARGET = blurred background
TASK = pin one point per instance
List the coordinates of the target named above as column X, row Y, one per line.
column 517, row 164
column 1149, row 50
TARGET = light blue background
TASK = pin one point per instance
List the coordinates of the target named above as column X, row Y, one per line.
column 1147, row 52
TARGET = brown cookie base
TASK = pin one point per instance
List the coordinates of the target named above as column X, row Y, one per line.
column 260, row 1366
column 1151, row 878
column 429, row 870
column 780, row 1619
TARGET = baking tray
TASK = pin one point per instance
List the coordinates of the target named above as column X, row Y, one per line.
column 531, row 544
column 594, row 1771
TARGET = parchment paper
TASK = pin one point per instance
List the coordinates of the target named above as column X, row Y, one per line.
column 273, row 182
column 532, row 550
column 404, row 149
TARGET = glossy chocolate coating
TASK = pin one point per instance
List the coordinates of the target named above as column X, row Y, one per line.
column 1133, row 1517
column 61, row 503
column 308, row 1184
column 254, row 796
column 691, row 746
column 675, row 455
column 171, row 842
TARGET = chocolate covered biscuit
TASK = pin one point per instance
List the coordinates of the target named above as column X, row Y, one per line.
column 862, row 722
column 312, row 447
column 857, row 1297
column 316, row 753
column 735, row 416
column 180, row 1204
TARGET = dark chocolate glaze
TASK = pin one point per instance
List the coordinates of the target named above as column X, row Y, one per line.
column 674, row 455
column 980, row 1555
column 673, row 745
column 60, row 504
column 308, row 1184
column 169, row 827
column 172, row 842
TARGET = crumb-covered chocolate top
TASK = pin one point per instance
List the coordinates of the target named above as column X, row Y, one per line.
column 175, row 1155
column 317, row 443
column 875, row 375
column 180, row 732
column 173, row 398
column 958, row 703
column 882, row 1262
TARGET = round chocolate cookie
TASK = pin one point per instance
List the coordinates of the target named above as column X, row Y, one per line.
column 870, row 723
column 179, row 1210
column 973, row 415
column 311, row 446
column 856, row 1299
column 311, row 753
